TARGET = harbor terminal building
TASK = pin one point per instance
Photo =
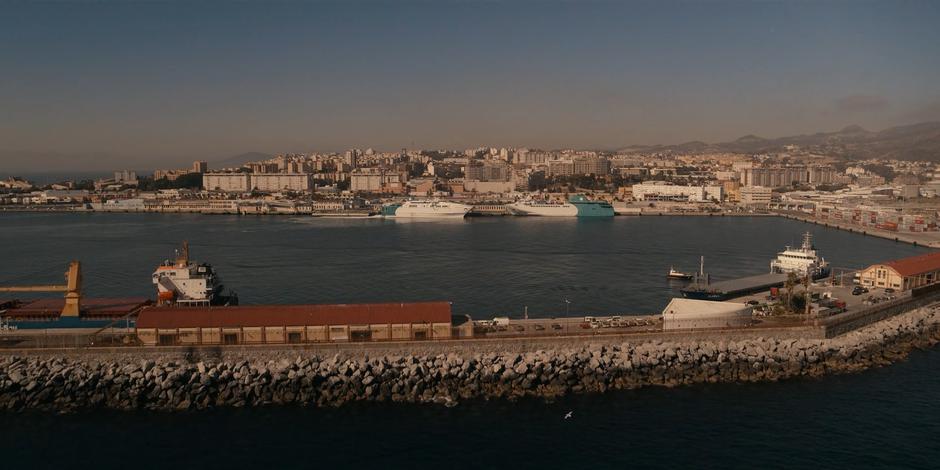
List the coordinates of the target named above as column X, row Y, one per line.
column 276, row 324
column 903, row 274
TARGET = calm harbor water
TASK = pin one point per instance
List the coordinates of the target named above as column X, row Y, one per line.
column 882, row 418
column 485, row 266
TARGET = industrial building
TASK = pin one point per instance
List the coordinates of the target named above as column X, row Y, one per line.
column 659, row 191
column 275, row 324
column 904, row 274
column 755, row 195
column 377, row 180
column 244, row 182
column 684, row 314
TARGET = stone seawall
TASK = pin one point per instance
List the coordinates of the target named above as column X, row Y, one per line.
column 219, row 378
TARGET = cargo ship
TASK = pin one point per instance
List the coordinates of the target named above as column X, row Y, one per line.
column 187, row 283
column 802, row 261
column 426, row 209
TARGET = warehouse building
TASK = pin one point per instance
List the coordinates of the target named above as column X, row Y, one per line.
column 904, row 274
column 274, row 324
column 685, row 314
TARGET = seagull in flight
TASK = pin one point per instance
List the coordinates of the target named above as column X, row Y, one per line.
column 568, row 415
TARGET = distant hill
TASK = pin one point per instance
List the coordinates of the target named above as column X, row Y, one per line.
column 909, row 142
column 239, row 160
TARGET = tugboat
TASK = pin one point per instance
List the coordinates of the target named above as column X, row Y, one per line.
column 187, row 283
column 801, row 261
column 678, row 275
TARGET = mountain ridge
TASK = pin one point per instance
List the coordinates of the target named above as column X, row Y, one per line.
column 920, row 141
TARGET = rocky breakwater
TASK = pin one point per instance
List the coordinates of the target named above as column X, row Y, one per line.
column 65, row 382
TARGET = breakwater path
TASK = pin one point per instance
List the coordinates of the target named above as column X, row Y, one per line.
column 219, row 378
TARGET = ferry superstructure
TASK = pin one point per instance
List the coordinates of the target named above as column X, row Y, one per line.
column 429, row 209
column 801, row 261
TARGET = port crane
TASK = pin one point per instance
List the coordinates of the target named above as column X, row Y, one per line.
column 72, row 289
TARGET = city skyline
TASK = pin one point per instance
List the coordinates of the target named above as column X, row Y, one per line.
column 109, row 85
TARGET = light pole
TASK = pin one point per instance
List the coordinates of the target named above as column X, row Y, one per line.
column 567, row 307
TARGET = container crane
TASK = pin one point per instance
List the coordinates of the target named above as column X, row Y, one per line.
column 72, row 289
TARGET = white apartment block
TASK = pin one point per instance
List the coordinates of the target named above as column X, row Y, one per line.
column 657, row 191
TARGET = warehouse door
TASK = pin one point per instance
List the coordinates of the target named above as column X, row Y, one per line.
column 360, row 335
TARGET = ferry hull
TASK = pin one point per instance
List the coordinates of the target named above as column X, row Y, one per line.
column 559, row 210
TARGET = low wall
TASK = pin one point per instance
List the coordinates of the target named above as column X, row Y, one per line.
column 171, row 379
column 853, row 320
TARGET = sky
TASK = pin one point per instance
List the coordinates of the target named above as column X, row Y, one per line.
column 89, row 85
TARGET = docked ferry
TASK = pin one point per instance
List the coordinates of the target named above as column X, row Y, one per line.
column 544, row 208
column 426, row 209
column 589, row 208
column 185, row 282
column 577, row 206
column 801, row 261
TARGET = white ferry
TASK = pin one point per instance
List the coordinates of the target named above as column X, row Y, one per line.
column 544, row 208
column 801, row 261
column 184, row 282
column 430, row 209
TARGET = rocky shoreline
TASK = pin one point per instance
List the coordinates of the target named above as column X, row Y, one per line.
column 65, row 382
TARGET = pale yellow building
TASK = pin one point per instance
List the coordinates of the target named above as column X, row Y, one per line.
column 903, row 274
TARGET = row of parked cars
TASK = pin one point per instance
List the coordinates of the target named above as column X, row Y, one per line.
column 503, row 324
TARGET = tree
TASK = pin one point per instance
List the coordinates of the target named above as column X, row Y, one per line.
column 788, row 285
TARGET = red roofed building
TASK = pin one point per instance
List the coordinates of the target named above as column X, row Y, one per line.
column 904, row 274
column 271, row 324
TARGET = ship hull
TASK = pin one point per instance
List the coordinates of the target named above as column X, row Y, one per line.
column 553, row 210
column 432, row 211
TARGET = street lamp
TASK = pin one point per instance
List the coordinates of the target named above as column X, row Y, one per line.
column 567, row 307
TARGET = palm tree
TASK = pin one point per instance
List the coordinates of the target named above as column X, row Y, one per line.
column 789, row 284
column 806, row 281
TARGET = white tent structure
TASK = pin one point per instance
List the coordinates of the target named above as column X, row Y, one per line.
column 685, row 314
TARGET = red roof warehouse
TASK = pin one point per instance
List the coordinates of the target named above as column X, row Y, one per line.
column 294, row 315
column 904, row 274
column 294, row 323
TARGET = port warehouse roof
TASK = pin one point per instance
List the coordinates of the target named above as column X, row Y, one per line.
column 692, row 308
column 294, row 315
column 916, row 264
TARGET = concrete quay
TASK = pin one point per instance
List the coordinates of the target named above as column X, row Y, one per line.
column 927, row 239
column 444, row 372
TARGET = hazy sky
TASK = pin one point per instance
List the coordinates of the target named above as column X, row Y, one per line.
column 143, row 85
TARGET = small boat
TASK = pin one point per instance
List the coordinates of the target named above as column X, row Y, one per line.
column 673, row 274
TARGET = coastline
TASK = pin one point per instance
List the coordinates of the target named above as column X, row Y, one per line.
column 181, row 379
column 926, row 239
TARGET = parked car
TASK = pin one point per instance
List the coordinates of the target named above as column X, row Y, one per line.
column 889, row 290
column 556, row 326
column 753, row 302
column 538, row 327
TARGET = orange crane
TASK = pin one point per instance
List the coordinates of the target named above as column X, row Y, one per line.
column 72, row 289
